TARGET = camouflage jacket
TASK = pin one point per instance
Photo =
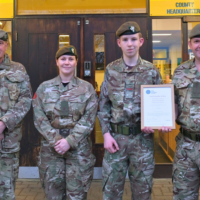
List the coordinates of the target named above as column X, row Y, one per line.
column 120, row 100
column 187, row 95
column 72, row 107
column 15, row 102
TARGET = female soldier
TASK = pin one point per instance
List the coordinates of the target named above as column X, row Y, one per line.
column 64, row 113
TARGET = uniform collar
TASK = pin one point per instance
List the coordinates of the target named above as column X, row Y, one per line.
column 192, row 67
column 73, row 83
column 139, row 67
column 6, row 62
column 123, row 68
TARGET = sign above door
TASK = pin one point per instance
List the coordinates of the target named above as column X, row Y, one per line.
column 174, row 7
column 6, row 9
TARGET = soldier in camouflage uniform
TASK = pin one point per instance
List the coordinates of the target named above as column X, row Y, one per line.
column 15, row 102
column 186, row 166
column 64, row 113
column 127, row 146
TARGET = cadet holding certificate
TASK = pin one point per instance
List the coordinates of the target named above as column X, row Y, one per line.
column 119, row 115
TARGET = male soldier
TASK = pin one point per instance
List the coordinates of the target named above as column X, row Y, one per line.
column 186, row 166
column 15, row 102
column 127, row 147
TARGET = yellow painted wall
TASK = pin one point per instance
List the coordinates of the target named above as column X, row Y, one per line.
column 80, row 6
column 6, row 8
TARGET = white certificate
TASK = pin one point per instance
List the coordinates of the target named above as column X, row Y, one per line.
column 157, row 106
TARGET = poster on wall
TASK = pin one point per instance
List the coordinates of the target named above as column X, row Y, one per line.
column 174, row 7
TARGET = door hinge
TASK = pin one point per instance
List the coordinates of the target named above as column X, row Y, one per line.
column 86, row 21
column 147, row 34
column 16, row 36
column 78, row 23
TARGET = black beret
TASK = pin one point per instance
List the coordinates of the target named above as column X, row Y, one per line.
column 3, row 35
column 195, row 32
column 128, row 28
column 66, row 50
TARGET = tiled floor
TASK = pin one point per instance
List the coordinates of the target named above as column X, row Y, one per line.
column 30, row 189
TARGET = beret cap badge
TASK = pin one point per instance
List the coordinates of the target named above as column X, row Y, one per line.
column 72, row 49
column 128, row 28
column 132, row 28
column 66, row 50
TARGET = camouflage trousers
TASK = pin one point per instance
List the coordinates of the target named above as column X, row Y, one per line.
column 9, row 168
column 135, row 155
column 68, row 176
column 186, row 169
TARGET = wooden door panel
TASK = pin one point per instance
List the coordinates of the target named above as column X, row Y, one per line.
column 36, row 48
column 41, row 68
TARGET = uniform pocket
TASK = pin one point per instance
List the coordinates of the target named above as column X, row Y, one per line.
column 129, row 91
column 49, row 105
column 147, row 139
column 196, row 90
column 5, row 182
column 42, row 171
column 16, row 166
column 14, row 91
column 178, row 177
column 106, row 172
column 77, row 108
column 182, row 86
column 87, row 172
column 179, row 139
column 6, row 173
column 137, row 100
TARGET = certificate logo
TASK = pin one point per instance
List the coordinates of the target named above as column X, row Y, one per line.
column 150, row 92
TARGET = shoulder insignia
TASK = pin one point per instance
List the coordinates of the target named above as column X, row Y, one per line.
column 35, row 96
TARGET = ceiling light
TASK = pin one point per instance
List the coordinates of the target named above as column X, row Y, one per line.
column 1, row 23
column 161, row 34
column 156, row 41
column 64, row 42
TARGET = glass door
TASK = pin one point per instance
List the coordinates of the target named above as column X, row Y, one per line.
column 167, row 55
